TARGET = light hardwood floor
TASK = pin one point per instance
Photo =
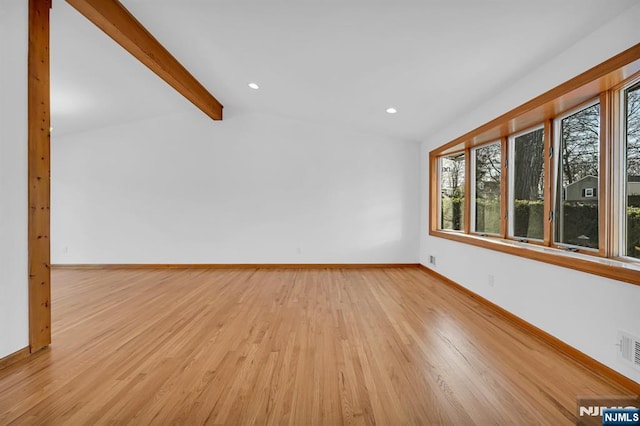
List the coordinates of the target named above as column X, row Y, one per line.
column 385, row 346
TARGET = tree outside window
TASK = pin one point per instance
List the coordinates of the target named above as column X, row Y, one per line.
column 488, row 166
column 577, row 198
column 452, row 182
column 632, row 184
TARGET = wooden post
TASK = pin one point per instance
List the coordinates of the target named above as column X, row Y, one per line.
column 39, row 176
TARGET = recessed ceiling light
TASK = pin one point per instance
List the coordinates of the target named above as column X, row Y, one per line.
column 254, row 86
column 391, row 110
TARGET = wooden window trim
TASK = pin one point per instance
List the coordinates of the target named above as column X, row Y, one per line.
column 557, row 125
column 609, row 268
column 435, row 193
column 504, row 187
column 434, row 196
column 599, row 82
column 472, row 187
column 618, row 216
column 549, row 135
column 467, row 190
column 509, row 215
column 604, row 176
column 562, row 98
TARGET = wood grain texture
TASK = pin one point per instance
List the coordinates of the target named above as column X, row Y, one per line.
column 39, row 175
column 235, row 266
column 119, row 24
column 434, row 192
column 556, row 343
column 596, row 83
column 287, row 346
column 14, row 357
column 610, row 268
column 605, row 178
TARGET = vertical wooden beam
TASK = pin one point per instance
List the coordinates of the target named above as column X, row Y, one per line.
column 39, row 173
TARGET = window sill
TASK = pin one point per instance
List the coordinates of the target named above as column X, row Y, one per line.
column 605, row 267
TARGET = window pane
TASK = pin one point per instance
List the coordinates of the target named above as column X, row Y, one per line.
column 527, row 185
column 452, row 192
column 487, row 188
column 633, row 171
column 577, row 196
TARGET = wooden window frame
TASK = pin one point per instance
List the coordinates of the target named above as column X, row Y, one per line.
column 472, row 196
column 600, row 82
column 509, row 214
column 618, row 225
column 602, row 171
column 438, row 177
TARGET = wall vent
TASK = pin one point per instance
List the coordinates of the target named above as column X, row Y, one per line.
column 629, row 349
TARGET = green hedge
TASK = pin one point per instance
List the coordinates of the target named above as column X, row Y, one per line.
column 580, row 220
column 452, row 213
column 488, row 216
column 529, row 219
column 633, row 231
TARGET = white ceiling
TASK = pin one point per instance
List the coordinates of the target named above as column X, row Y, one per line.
column 334, row 61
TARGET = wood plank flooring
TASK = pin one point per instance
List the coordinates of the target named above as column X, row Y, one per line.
column 388, row 346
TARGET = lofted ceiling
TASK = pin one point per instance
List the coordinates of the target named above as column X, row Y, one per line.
column 342, row 62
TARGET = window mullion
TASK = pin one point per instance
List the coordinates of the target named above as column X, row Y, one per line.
column 604, row 199
column 467, row 190
column 435, row 206
column 504, row 185
column 548, row 182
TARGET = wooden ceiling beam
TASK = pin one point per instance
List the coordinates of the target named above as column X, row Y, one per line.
column 119, row 24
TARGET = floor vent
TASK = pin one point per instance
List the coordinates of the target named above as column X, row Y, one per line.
column 629, row 349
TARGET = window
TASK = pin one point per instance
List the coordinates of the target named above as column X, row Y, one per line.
column 452, row 169
column 486, row 190
column 526, row 199
column 563, row 184
column 632, row 171
column 577, row 159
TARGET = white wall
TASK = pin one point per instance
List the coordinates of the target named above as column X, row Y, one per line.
column 585, row 311
column 253, row 188
column 14, row 314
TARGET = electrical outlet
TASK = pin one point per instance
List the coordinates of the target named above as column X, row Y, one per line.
column 432, row 260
